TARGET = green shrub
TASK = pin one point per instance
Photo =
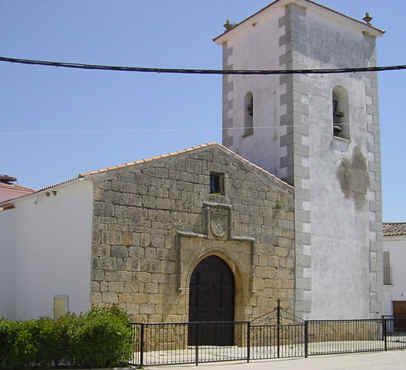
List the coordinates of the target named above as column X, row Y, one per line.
column 51, row 342
column 65, row 328
column 8, row 335
column 26, row 345
column 103, row 339
column 99, row 338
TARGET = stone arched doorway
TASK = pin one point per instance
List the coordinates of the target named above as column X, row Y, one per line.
column 211, row 298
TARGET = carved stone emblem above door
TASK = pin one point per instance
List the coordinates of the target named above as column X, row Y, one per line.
column 218, row 220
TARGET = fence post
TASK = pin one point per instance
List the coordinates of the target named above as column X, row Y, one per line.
column 248, row 341
column 383, row 330
column 142, row 346
column 306, row 338
column 384, row 333
column 197, row 344
column 278, row 328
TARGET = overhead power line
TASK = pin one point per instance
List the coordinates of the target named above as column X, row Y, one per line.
column 200, row 71
column 81, row 131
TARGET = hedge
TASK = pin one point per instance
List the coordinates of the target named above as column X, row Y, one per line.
column 99, row 338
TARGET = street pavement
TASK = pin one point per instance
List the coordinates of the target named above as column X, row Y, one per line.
column 392, row 360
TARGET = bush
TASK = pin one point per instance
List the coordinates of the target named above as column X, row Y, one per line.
column 99, row 338
column 51, row 341
column 8, row 335
column 25, row 345
column 103, row 339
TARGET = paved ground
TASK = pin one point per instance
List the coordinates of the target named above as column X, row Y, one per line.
column 224, row 353
column 392, row 360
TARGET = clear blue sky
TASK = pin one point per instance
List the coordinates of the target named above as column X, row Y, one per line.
column 56, row 123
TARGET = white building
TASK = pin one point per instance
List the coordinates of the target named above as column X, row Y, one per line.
column 394, row 252
column 45, row 251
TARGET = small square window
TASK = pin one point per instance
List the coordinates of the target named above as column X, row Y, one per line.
column 216, row 183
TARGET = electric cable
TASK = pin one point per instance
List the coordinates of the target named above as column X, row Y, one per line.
column 200, row 71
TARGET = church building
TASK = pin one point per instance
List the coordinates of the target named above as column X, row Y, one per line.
column 288, row 207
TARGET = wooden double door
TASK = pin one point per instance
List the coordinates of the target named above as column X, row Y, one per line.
column 211, row 303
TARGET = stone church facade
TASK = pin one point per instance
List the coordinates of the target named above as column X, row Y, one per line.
column 154, row 221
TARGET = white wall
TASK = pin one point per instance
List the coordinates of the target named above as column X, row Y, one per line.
column 261, row 41
column 7, row 264
column 396, row 246
column 345, row 253
column 52, row 241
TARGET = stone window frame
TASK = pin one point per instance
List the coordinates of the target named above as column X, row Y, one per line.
column 248, row 114
column 340, row 113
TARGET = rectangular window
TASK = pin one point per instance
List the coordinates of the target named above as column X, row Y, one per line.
column 217, row 183
column 386, row 269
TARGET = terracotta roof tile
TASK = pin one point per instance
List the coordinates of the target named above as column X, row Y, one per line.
column 140, row 161
column 394, row 228
column 33, row 192
column 12, row 191
column 191, row 149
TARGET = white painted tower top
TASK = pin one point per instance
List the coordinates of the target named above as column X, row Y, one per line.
column 325, row 11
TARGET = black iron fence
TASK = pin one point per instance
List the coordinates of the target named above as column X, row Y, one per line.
column 346, row 336
column 200, row 342
column 190, row 342
column 395, row 332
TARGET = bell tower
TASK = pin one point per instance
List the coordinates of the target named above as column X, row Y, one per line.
column 321, row 134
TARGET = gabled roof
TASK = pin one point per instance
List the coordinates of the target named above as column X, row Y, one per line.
column 188, row 150
column 145, row 160
column 394, row 228
column 12, row 191
column 374, row 30
column 90, row 174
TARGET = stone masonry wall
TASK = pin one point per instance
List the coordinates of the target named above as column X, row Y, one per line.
column 150, row 229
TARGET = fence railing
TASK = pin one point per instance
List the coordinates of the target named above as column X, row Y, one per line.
column 200, row 342
column 395, row 332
